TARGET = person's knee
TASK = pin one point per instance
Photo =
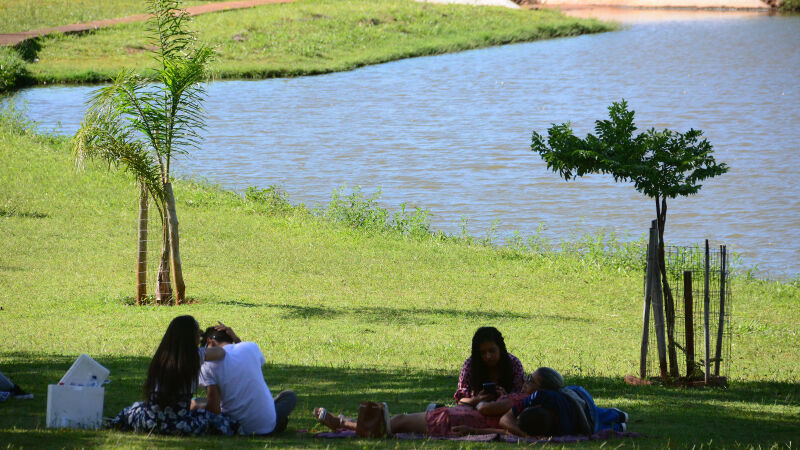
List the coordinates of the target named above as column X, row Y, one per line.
column 290, row 395
column 287, row 398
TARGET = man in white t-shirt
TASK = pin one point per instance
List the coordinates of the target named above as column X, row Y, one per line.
column 236, row 386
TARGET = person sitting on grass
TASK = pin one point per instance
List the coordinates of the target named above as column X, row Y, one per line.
column 441, row 421
column 236, row 386
column 491, row 364
column 170, row 384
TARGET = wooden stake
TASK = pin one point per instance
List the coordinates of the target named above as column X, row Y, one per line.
column 646, row 313
column 141, row 255
column 706, row 318
column 658, row 304
column 688, row 306
column 721, row 326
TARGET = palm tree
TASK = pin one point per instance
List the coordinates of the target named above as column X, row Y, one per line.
column 141, row 120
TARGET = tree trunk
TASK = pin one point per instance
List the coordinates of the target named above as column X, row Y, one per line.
column 164, row 288
column 141, row 256
column 669, row 302
column 174, row 244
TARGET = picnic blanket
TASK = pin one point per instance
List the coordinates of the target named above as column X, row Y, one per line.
column 599, row 436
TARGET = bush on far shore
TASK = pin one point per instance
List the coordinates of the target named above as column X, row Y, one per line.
column 12, row 69
column 789, row 6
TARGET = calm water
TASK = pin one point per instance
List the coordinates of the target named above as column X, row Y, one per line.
column 451, row 133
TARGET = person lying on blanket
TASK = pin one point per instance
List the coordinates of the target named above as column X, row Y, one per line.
column 442, row 421
column 554, row 410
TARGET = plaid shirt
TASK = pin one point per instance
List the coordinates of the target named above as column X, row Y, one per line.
column 465, row 388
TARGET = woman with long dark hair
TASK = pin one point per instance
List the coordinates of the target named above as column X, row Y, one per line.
column 170, row 385
column 490, row 364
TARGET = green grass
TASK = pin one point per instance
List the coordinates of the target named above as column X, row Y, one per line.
column 306, row 37
column 344, row 314
column 24, row 15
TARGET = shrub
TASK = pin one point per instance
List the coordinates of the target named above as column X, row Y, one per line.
column 12, row 69
column 789, row 6
column 270, row 200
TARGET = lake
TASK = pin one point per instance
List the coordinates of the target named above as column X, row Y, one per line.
column 451, row 133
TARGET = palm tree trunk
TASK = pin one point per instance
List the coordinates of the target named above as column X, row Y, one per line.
column 141, row 256
column 174, row 244
column 669, row 302
column 164, row 288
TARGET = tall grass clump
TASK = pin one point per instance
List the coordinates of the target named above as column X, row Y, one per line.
column 271, row 200
column 358, row 211
column 12, row 69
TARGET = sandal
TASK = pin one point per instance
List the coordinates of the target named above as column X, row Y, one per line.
column 324, row 417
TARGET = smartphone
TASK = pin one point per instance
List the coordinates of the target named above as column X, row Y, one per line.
column 490, row 388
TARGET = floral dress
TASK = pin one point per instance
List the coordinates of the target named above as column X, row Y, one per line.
column 179, row 420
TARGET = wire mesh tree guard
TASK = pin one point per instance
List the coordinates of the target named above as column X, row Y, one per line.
column 701, row 329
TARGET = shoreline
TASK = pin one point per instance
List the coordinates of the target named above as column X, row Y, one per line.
column 644, row 14
column 714, row 5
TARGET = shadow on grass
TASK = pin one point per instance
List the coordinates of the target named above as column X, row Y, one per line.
column 757, row 413
column 24, row 214
column 400, row 315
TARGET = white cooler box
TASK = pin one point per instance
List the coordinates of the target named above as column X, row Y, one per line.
column 77, row 400
column 74, row 406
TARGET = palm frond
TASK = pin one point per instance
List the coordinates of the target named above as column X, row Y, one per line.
column 104, row 136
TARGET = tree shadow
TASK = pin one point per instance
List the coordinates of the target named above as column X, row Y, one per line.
column 5, row 212
column 737, row 413
column 402, row 315
column 29, row 49
column 239, row 304
column 747, row 412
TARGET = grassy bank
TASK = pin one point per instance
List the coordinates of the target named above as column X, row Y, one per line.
column 344, row 313
column 24, row 15
column 306, row 37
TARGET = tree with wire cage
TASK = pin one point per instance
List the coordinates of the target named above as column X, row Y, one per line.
column 661, row 164
column 141, row 121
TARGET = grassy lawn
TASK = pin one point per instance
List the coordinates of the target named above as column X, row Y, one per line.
column 24, row 15
column 344, row 314
column 305, row 37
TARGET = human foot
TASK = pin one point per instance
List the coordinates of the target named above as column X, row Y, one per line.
column 324, row 417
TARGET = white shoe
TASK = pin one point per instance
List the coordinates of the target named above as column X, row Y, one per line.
column 623, row 415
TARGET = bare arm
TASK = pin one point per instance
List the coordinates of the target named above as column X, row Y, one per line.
column 474, row 401
column 214, row 353
column 495, row 408
column 213, row 404
column 228, row 330
column 509, row 423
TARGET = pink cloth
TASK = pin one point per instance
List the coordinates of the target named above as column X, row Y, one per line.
column 442, row 420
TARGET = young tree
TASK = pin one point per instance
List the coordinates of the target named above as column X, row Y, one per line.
column 141, row 121
column 661, row 165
